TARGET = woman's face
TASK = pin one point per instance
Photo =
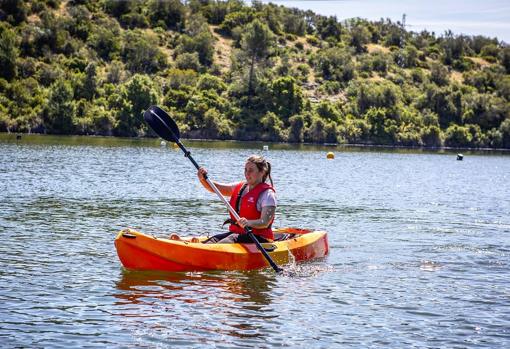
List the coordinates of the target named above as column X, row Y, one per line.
column 252, row 174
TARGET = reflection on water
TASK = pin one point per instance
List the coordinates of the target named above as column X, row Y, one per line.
column 420, row 248
column 212, row 304
column 251, row 287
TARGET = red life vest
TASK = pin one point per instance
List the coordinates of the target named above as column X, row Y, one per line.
column 248, row 209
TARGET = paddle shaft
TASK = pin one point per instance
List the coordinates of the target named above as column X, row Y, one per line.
column 230, row 208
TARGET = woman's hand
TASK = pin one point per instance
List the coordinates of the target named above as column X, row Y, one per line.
column 242, row 222
column 263, row 222
column 202, row 173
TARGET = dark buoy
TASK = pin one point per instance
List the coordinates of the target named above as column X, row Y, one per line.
column 460, row 157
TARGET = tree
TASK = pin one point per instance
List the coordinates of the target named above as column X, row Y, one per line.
column 316, row 132
column 105, row 40
column 504, row 128
column 90, row 83
column 329, row 28
column 457, row 136
column 16, row 11
column 485, row 110
column 293, row 24
column 25, row 103
column 272, row 127
column 60, row 111
column 167, row 13
column 296, row 128
column 118, row 8
column 490, row 52
column 505, row 59
column 321, row 131
column 286, row 97
column 335, row 64
column 8, row 52
column 439, row 74
column 141, row 53
column 216, row 125
column 257, row 44
column 141, row 93
column 431, row 136
column 360, row 36
column 444, row 102
column 197, row 39
column 129, row 102
column 235, row 19
column 454, row 47
column 375, row 95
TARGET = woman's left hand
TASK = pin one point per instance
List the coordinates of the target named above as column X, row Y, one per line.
column 242, row 222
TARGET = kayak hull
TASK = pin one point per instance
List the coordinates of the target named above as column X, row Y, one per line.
column 138, row 251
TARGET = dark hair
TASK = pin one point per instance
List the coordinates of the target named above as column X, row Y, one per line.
column 262, row 165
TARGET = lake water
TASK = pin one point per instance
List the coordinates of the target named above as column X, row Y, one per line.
column 420, row 248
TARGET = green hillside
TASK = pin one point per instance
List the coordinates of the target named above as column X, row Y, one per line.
column 226, row 70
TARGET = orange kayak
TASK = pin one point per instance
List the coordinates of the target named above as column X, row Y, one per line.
column 139, row 251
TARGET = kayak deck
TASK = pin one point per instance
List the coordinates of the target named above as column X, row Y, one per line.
column 139, row 251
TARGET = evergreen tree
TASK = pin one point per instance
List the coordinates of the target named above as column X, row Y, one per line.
column 257, row 44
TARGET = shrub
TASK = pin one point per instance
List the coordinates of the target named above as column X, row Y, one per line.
column 187, row 60
column 457, row 136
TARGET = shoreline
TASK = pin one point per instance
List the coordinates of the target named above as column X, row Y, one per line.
column 17, row 137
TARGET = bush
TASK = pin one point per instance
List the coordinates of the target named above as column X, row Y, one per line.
column 202, row 44
column 312, row 40
column 59, row 113
column 236, row 19
column 216, row 126
column 141, row 53
column 210, row 82
column 431, row 136
column 439, row 74
column 296, row 129
column 170, row 13
column 356, row 130
column 134, row 20
column 490, row 51
column 335, row 64
column 105, row 40
column 272, row 128
column 286, row 97
column 504, row 128
column 375, row 95
column 188, row 61
column 505, row 59
column 327, row 111
column 457, row 136
column 8, row 52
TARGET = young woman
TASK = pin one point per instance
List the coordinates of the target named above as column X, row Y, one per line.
column 254, row 200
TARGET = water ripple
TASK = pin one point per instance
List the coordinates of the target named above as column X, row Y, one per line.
column 420, row 249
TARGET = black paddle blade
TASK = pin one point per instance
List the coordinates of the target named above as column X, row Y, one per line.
column 162, row 123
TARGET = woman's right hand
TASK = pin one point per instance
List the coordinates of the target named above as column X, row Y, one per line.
column 202, row 173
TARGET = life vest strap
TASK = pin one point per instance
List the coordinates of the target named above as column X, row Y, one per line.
column 238, row 206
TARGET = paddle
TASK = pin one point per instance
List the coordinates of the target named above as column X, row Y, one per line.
column 166, row 128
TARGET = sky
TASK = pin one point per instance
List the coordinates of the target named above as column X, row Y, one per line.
column 486, row 17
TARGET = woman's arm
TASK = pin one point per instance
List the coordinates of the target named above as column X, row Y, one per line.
column 225, row 189
column 264, row 221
